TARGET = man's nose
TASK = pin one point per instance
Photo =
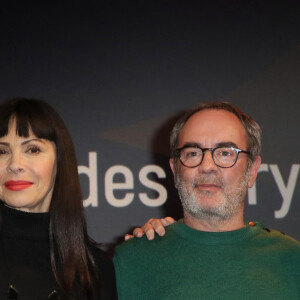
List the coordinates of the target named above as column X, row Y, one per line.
column 208, row 164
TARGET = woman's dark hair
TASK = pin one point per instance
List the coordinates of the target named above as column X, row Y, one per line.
column 71, row 261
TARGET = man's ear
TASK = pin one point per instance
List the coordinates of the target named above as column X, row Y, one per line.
column 253, row 171
column 173, row 168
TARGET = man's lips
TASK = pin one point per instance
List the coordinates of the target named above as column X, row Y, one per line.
column 207, row 186
column 17, row 185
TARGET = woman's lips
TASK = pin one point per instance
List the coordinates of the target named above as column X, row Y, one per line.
column 17, row 185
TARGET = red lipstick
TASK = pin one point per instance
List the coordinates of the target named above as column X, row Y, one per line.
column 17, row 185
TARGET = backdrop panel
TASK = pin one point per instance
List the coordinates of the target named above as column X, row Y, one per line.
column 120, row 73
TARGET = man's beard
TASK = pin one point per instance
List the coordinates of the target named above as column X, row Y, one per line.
column 232, row 197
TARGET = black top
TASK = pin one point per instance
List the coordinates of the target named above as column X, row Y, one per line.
column 25, row 258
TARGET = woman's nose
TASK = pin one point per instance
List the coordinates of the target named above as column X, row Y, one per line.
column 16, row 164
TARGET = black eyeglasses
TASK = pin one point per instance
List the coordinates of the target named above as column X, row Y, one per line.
column 223, row 157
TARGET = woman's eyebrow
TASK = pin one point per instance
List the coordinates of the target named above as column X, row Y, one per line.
column 25, row 142
column 33, row 140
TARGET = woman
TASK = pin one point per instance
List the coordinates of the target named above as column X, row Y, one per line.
column 45, row 249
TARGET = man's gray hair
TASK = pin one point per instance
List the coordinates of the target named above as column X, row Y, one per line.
column 253, row 130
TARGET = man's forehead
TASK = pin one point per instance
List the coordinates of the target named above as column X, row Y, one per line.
column 210, row 127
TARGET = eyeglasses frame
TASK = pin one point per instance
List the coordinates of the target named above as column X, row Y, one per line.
column 238, row 151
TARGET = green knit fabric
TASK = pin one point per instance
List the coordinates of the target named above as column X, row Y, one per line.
column 251, row 263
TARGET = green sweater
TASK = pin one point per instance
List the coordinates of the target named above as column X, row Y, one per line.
column 250, row 263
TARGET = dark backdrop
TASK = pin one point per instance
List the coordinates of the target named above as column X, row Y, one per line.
column 120, row 72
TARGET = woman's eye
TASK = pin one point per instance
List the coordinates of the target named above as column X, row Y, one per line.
column 3, row 151
column 33, row 150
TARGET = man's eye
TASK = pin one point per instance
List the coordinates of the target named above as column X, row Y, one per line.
column 225, row 153
column 192, row 154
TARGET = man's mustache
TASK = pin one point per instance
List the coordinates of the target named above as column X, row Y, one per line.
column 208, row 179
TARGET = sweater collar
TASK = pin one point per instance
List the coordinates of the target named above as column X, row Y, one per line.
column 24, row 225
column 217, row 238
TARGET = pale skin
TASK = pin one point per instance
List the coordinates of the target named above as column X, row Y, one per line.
column 27, row 171
column 208, row 129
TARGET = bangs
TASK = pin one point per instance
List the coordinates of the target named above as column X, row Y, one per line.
column 28, row 115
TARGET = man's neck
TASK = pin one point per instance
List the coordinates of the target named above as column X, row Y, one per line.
column 213, row 225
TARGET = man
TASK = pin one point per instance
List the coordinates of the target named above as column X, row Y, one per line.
column 211, row 253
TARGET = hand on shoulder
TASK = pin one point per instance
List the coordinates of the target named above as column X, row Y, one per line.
column 151, row 227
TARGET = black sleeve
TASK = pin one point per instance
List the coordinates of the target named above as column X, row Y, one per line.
column 107, row 280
